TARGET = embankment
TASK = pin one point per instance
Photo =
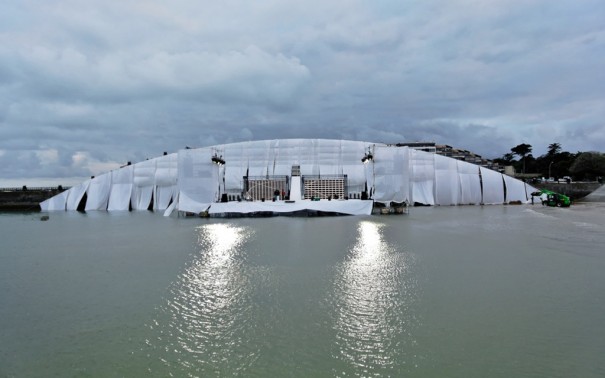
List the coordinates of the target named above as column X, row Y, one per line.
column 25, row 199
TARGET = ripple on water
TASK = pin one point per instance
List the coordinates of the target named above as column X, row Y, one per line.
column 372, row 292
column 200, row 326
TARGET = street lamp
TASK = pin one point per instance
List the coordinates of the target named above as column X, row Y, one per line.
column 549, row 165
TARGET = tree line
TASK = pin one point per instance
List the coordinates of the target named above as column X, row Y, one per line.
column 556, row 163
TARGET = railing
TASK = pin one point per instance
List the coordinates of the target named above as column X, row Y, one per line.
column 325, row 186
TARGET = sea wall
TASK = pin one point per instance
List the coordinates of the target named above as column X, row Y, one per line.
column 596, row 196
column 26, row 199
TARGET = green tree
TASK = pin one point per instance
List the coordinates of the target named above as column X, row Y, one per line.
column 554, row 149
column 589, row 165
column 506, row 159
column 522, row 150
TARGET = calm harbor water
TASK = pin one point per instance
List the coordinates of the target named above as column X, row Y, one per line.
column 498, row 291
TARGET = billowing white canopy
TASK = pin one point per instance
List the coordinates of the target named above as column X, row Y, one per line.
column 191, row 182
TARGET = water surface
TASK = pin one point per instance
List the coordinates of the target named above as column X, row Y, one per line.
column 471, row 291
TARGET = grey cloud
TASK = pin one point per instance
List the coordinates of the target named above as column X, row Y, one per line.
column 113, row 82
column 248, row 76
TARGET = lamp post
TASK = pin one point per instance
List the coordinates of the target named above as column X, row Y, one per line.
column 549, row 165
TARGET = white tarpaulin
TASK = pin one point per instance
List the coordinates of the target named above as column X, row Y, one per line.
column 351, row 165
column 470, row 183
column 97, row 195
column 447, row 181
column 237, row 167
column 259, row 159
column 121, row 189
column 163, row 195
column 308, row 157
column 143, row 184
column 515, row 189
column 286, row 155
column 75, row 195
column 391, row 174
column 198, row 180
column 55, row 203
column 493, row 186
column 328, row 157
column 422, row 177
column 166, row 173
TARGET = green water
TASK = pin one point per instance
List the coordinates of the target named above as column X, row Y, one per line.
column 496, row 291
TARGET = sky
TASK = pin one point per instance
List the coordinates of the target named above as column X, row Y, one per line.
column 86, row 86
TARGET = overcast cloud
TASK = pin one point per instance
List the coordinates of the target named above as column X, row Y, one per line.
column 86, row 86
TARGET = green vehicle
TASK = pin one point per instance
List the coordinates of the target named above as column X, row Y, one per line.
column 550, row 198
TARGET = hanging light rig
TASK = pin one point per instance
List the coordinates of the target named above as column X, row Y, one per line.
column 218, row 160
column 368, row 157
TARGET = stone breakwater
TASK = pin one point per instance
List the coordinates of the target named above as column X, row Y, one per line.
column 26, row 199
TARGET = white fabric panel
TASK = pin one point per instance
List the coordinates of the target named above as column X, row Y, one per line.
column 166, row 174
column 198, row 180
column 272, row 155
column 258, row 158
column 143, row 184
column 422, row 177
column 493, row 186
column 98, row 192
column 144, row 173
column 529, row 190
column 350, row 155
column 55, row 203
column 447, row 182
column 75, row 195
column 190, row 205
column 470, row 183
column 236, row 165
column 515, row 189
column 141, row 197
column 391, row 174
column 121, row 189
column 308, row 157
column 329, row 156
column 166, row 170
column 163, row 195
column 172, row 206
column 286, row 156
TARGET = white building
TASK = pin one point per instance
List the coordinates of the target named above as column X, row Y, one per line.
column 290, row 175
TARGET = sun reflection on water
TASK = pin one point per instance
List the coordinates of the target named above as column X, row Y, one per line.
column 372, row 323
column 208, row 305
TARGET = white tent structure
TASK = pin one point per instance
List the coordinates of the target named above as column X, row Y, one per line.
column 286, row 176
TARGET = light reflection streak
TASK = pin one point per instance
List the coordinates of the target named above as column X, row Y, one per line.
column 372, row 293
column 208, row 307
